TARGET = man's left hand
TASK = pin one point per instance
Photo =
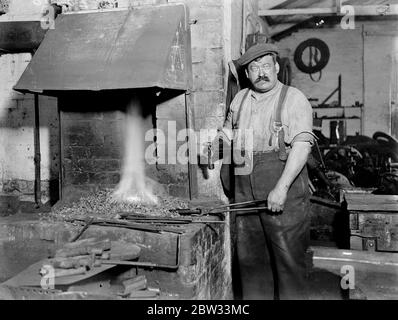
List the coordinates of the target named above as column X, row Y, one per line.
column 276, row 199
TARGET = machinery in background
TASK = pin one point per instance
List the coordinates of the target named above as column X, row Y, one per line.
column 359, row 161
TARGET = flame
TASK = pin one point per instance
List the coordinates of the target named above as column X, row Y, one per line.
column 133, row 186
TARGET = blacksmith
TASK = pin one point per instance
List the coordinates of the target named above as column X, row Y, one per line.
column 271, row 244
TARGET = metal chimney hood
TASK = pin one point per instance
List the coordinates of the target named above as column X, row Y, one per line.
column 122, row 49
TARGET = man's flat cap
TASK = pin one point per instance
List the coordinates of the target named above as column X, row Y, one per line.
column 257, row 51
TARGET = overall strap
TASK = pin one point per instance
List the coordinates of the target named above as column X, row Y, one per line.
column 278, row 124
column 241, row 105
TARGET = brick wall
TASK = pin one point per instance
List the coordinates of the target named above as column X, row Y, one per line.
column 17, row 122
column 92, row 144
column 92, row 148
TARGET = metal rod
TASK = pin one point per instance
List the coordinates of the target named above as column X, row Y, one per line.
column 329, row 96
column 60, row 170
column 362, row 122
column 245, row 209
column 339, row 88
column 138, row 227
column 187, row 125
column 89, row 222
column 237, row 204
column 192, row 175
column 37, row 156
column 128, row 225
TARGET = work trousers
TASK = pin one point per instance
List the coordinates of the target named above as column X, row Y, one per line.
column 271, row 247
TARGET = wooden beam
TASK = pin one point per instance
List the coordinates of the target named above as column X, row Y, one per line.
column 345, row 256
column 274, row 30
column 268, row 4
column 371, row 202
column 304, row 11
column 338, row 5
column 367, row 10
column 380, row 10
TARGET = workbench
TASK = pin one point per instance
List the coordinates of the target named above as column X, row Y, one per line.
column 373, row 220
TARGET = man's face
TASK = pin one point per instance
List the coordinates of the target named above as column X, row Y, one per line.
column 263, row 73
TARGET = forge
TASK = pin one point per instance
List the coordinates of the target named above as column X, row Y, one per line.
column 192, row 264
column 117, row 75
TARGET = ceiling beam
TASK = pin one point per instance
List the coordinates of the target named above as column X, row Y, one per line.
column 268, row 4
column 274, row 30
column 380, row 10
column 289, row 12
column 366, row 10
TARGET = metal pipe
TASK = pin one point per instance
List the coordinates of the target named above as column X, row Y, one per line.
column 242, row 209
column 191, row 168
column 339, row 87
column 60, row 169
column 362, row 122
column 37, row 156
column 238, row 204
column 329, row 96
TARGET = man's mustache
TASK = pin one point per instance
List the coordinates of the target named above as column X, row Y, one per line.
column 262, row 78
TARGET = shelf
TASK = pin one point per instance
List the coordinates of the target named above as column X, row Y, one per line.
column 338, row 118
column 352, row 107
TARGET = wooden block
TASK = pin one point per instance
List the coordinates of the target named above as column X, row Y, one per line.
column 371, row 202
column 133, row 280
column 106, row 256
column 142, row 294
column 84, row 249
column 69, row 272
column 382, row 226
column 139, row 284
column 71, row 262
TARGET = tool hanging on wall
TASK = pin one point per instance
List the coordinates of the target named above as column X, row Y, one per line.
column 319, row 55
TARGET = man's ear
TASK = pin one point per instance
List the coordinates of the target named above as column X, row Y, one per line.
column 247, row 74
column 277, row 67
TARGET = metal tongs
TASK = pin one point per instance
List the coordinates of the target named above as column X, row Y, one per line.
column 224, row 208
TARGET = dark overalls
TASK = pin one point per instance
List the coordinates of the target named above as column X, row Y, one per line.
column 270, row 248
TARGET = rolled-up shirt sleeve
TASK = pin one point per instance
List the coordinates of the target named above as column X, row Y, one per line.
column 299, row 118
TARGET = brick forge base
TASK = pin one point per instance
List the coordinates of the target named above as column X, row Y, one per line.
column 204, row 262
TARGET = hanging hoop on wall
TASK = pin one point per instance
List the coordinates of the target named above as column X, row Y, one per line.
column 317, row 58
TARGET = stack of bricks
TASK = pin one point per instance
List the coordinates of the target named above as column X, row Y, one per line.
column 206, row 266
